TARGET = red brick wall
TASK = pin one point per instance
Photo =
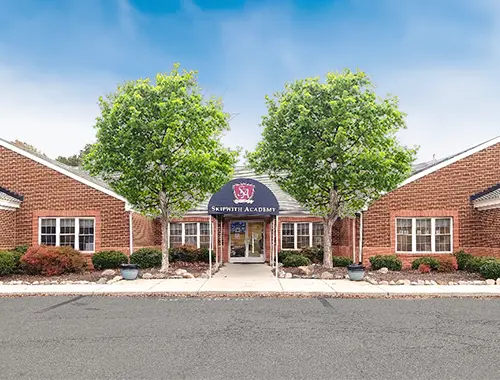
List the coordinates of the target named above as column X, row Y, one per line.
column 445, row 192
column 7, row 229
column 144, row 231
column 50, row 192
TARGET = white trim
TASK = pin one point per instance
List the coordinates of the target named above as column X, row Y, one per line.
column 183, row 232
column 61, row 170
column 9, row 205
column 450, row 161
column 295, row 236
column 7, row 208
column 487, row 204
column 58, row 230
column 414, row 235
column 130, row 233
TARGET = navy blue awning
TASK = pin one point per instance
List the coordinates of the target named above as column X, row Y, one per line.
column 243, row 196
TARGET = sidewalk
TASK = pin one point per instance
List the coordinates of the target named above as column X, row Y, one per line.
column 229, row 285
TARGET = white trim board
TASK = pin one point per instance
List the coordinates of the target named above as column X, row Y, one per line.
column 9, row 205
column 452, row 160
column 61, row 170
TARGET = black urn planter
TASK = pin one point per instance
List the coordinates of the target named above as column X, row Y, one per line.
column 356, row 272
column 129, row 271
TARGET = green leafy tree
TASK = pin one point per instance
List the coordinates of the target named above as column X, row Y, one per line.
column 332, row 145
column 76, row 159
column 159, row 146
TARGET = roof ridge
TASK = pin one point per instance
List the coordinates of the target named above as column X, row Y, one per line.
column 12, row 193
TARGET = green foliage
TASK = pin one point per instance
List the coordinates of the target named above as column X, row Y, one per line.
column 159, row 145
column 21, row 249
column 490, row 269
column 333, row 145
column 475, row 264
column 296, row 261
column 282, row 255
column 186, row 253
column 76, row 159
column 448, row 264
column 430, row 261
column 341, row 261
column 204, row 255
column 146, row 258
column 390, row 262
column 9, row 263
column 108, row 259
column 463, row 259
column 315, row 255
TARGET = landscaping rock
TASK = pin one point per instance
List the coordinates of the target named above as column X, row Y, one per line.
column 34, row 283
column 420, row 282
column 383, row 270
column 147, row 275
column 478, row 282
column 451, row 283
column 282, row 274
column 406, row 282
column 490, row 282
column 402, row 282
column 338, row 277
column 383, row 282
column 498, row 281
column 392, row 282
column 346, row 276
column 433, row 282
column 164, row 275
column 427, row 282
column 1, row 282
column 102, row 280
column 108, row 273
column 188, row 275
column 413, row 283
column 180, row 272
column 462, row 283
column 371, row 280
column 288, row 275
column 305, row 270
column 15, row 283
column 326, row 276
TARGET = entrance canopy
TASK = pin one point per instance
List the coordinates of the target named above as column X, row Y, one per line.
column 243, row 196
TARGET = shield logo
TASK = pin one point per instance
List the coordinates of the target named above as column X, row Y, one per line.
column 243, row 193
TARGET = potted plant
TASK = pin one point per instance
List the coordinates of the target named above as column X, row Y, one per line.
column 129, row 271
column 356, row 272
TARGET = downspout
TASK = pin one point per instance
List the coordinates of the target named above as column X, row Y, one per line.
column 360, row 237
column 131, row 234
column 354, row 239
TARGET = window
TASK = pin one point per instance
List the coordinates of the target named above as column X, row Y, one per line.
column 423, row 235
column 301, row 235
column 67, row 232
column 197, row 234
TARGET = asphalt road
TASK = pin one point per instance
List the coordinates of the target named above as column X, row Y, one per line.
column 158, row 338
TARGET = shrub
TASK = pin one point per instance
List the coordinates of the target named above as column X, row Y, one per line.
column 282, row 255
column 431, row 261
column 295, row 261
column 315, row 255
column 390, row 262
column 463, row 259
column 475, row 264
column 108, row 259
column 424, row 268
column 9, row 263
column 146, row 258
column 22, row 249
column 50, row 261
column 447, row 264
column 490, row 269
column 187, row 253
column 341, row 261
column 204, row 255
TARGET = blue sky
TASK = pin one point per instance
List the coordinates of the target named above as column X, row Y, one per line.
column 440, row 57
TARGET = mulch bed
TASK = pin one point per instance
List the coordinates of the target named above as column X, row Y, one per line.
column 196, row 269
column 317, row 270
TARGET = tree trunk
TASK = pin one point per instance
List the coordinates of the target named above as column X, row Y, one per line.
column 165, row 232
column 328, row 222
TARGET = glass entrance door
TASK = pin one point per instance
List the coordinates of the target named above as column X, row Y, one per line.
column 246, row 241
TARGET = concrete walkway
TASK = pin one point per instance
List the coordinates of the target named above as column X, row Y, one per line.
column 252, row 279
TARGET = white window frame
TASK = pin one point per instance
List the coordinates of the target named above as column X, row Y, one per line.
column 414, row 235
column 295, row 235
column 183, row 232
column 58, row 229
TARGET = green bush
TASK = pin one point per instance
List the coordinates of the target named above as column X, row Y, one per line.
column 463, row 259
column 390, row 262
column 146, row 258
column 22, row 249
column 490, row 269
column 108, row 259
column 204, row 255
column 430, row 261
column 282, row 255
column 186, row 253
column 9, row 263
column 295, row 261
column 341, row 261
column 315, row 255
column 475, row 264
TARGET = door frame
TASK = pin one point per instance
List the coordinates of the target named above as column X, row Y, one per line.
column 247, row 259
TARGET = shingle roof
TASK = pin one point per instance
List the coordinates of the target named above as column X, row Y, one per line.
column 490, row 193
column 286, row 202
column 10, row 196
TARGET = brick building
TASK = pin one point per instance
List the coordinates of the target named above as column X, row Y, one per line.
column 445, row 205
